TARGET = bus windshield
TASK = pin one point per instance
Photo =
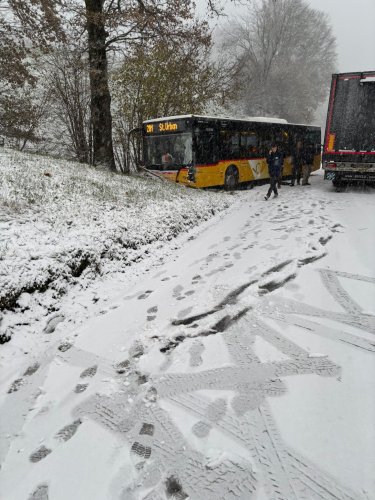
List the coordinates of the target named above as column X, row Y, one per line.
column 169, row 152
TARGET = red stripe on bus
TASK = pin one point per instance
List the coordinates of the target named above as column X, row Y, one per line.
column 210, row 164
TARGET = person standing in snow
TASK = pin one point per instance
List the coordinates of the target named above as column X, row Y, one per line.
column 297, row 162
column 275, row 160
column 308, row 160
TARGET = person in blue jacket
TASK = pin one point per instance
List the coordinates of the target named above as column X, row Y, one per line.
column 275, row 160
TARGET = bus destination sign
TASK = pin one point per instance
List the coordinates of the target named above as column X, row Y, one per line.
column 153, row 128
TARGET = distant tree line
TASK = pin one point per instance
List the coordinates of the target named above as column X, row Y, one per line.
column 76, row 76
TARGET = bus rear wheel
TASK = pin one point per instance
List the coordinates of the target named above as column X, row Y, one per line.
column 231, row 178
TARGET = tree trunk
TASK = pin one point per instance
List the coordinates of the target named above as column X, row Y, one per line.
column 100, row 96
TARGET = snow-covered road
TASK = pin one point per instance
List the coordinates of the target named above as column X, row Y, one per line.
column 237, row 363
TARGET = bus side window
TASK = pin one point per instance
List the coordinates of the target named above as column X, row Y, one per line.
column 229, row 143
column 249, row 145
column 205, row 146
column 265, row 146
column 235, row 145
column 224, row 150
column 266, row 138
column 283, row 140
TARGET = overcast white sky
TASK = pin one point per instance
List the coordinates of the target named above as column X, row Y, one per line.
column 353, row 23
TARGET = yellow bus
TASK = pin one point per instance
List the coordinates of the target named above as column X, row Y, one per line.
column 204, row 151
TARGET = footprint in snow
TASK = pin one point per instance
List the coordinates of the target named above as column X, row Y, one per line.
column 147, row 429
column 142, row 448
column 234, row 246
column 174, row 490
column 87, row 373
column 40, row 493
column 64, row 434
column 144, row 295
column 80, row 388
column 184, row 312
column 122, row 367
column 142, row 379
column 151, row 313
column 68, row 431
column 177, row 290
column 18, row 383
column 214, row 413
column 136, row 350
column 325, row 239
column 64, row 346
column 39, row 454
column 195, row 352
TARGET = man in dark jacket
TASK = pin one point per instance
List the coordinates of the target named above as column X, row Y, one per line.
column 297, row 162
column 307, row 165
column 275, row 160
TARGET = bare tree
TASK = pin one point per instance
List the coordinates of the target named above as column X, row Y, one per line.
column 68, row 77
column 285, row 53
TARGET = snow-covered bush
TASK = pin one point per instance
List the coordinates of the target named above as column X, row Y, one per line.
column 61, row 219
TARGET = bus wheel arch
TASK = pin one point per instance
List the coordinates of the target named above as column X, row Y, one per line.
column 231, row 178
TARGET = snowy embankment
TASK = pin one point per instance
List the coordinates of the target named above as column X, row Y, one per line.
column 60, row 221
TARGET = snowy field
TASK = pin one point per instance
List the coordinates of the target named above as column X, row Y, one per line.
column 235, row 361
column 62, row 224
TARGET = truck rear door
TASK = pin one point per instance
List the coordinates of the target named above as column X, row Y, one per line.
column 351, row 117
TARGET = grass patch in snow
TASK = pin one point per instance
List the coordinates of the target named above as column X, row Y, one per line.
column 60, row 219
